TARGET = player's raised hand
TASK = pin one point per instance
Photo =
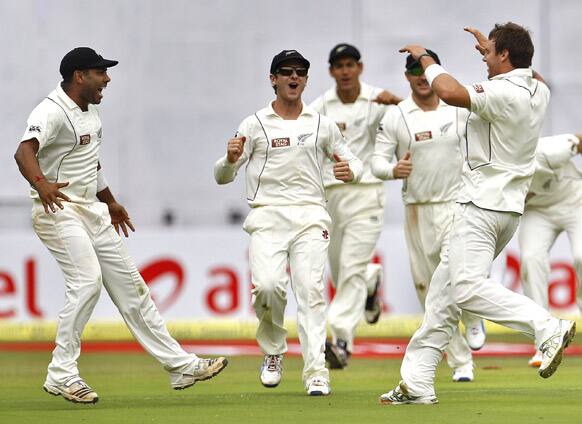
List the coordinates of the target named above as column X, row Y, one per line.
column 341, row 169
column 414, row 49
column 482, row 42
column 51, row 195
column 234, row 149
column 120, row 218
column 385, row 97
column 403, row 167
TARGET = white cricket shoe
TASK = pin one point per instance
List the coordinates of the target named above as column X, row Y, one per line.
column 271, row 370
column 475, row 334
column 536, row 360
column 464, row 373
column 318, row 386
column 74, row 390
column 400, row 396
column 553, row 348
column 198, row 370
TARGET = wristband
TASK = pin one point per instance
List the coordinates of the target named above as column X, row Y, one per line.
column 432, row 72
column 38, row 178
column 101, row 181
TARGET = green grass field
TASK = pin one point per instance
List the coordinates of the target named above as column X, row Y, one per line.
column 134, row 389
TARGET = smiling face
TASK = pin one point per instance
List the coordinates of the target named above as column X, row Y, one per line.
column 92, row 83
column 494, row 60
column 346, row 71
column 289, row 85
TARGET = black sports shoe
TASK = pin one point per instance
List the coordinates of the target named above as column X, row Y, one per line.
column 373, row 305
column 337, row 355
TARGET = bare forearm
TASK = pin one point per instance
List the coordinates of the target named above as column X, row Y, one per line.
column 451, row 91
column 25, row 157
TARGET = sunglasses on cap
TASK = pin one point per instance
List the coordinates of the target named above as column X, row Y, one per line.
column 416, row 71
column 287, row 71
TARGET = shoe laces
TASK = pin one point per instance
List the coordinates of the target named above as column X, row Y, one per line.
column 318, row 382
column 550, row 346
column 273, row 362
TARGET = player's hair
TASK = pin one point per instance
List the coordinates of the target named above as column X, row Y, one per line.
column 516, row 40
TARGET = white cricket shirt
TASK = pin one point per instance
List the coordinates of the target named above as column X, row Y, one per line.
column 285, row 158
column 433, row 139
column 557, row 181
column 358, row 123
column 507, row 113
column 69, row 141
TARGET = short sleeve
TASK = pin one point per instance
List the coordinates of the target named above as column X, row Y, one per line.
column 42, row 124
column 489, row 99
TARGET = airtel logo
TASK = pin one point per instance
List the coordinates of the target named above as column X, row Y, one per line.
column 161, row 269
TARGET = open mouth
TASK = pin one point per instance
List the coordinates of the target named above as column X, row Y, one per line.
column 293, row 85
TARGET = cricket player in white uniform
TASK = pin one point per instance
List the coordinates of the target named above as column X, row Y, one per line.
column 285, row 144
column 507, row 112
column 553, row 205
column 425, row 135
column 73, row 212
column 356, row 210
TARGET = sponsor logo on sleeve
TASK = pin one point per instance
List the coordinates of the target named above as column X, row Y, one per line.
column 325, row 235
column 281, row 142
column 423, row 136
column 34, row 128
column 85, row 139
column 478, row 88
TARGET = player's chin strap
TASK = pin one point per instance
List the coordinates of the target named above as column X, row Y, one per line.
column 102, row 183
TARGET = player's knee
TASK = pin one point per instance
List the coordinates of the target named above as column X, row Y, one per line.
column 461, row 291
column 268, row 289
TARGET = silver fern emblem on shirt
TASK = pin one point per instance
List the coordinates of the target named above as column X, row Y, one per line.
column 445, row 128
column 302, row 137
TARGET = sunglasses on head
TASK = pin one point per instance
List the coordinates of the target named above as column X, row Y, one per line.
column 416, row 71
column 287, row 71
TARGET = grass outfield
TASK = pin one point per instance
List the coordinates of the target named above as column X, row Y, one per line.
column 133, row 389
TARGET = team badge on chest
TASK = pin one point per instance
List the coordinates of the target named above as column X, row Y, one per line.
column 281, row 142
column 85, row 139
column 423, row 136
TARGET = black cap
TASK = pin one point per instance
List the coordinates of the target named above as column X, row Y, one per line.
column 286, row 55
column 344, row 50
column 83, row 58
column 411, row 63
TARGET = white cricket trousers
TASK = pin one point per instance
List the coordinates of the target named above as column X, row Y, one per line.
column 294, row 237
column 461, row 282
column 357, row 216
column 91, row 255
column 538, row 232
column 427, row 228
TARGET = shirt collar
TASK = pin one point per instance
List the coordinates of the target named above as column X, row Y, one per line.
column 305, row 110
column 517, row 72
column 365, row 93
column 408, row 105
column 65, row 98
